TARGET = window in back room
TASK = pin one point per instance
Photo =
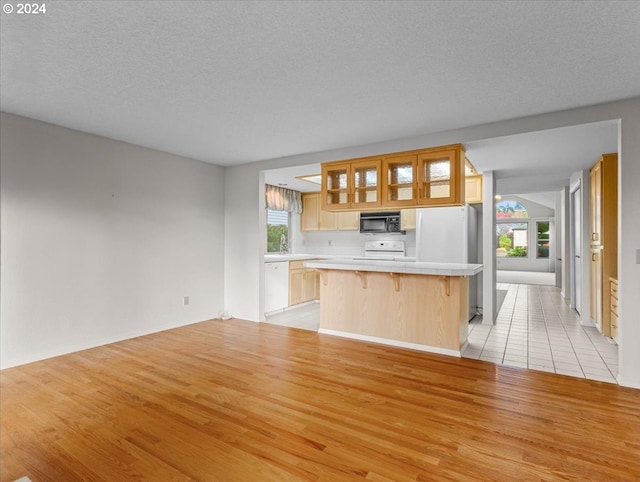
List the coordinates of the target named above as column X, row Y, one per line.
column 277, row 231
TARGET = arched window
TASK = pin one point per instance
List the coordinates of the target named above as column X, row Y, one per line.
column 510, row 210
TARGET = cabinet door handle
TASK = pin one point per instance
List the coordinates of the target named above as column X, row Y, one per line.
column 593, row 257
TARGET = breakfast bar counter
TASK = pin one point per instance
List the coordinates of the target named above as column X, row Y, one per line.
column 416, row 305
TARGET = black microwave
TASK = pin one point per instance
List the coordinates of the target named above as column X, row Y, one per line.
column 386, row 222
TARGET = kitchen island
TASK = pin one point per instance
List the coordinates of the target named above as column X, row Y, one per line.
column 417, row 305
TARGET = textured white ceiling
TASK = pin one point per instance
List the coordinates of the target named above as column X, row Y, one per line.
column 233, row 82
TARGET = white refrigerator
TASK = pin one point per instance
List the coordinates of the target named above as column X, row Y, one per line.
column 449, row 235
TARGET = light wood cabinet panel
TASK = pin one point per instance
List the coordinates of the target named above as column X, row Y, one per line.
column 303, row 283
column 595, row 275
column 295, row 286
column 473, row 189
column 407, row 219
column 309, row 282
column 335, row 188
column 614, row 321
column 353, row 184
column 328, row 221
column 364, row 178
column 603, row 212
column 596, row 203
column 439, row 177
column 310, row 217
column 348, row 220
column 399, row 182
column 313, row 218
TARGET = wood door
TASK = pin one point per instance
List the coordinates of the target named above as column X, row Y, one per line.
column 295, row 286
column 309, row 219
column 309, row 280
column 365, row 183
column 439, row 178
column 596, row 203
column 335, row 186
column 399, row 180
column 348, row 220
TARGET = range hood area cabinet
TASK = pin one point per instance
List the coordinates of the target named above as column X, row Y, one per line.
column 419, row 178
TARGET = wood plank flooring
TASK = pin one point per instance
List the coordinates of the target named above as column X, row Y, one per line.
column 240, row 401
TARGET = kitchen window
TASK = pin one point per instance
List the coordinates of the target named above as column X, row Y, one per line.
column 278, row 223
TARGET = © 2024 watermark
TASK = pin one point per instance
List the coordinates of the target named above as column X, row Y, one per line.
column 24, row 8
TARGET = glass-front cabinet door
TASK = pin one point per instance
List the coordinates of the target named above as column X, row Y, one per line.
column 335, row 189
column 399, row 182
column 365, row 182
column 439, row 176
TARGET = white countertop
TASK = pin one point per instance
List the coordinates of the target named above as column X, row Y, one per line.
column 400, row 266
column 273, row 258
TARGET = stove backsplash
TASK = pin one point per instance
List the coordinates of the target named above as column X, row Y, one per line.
column 345, row 243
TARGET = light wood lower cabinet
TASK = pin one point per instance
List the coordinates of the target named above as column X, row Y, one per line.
column 596, row 287
column 613, row 308
column 303, row 283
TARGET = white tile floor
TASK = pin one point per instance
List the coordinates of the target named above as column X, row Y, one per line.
column 306, row 317
column 534, row 329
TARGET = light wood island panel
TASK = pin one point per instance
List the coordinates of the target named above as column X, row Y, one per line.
column 425, row 310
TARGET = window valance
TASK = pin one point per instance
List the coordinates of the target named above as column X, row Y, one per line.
column 283, row 199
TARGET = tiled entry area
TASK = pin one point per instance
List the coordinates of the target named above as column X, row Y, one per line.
column 536, row 329
column 306, row 317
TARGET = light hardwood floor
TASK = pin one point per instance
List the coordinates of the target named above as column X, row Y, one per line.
column 239, row 401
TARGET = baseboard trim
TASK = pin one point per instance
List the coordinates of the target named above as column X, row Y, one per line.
column 387, row 341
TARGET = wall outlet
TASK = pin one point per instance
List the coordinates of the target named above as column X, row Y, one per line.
column 185, row 300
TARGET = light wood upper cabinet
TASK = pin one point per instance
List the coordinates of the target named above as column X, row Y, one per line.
column 314, row 218
column 399, row 181
column 351, row 184
column 440, row 176
column 420, row 178
column 473, row 189
column 348, row 220
column 407, row 219
column 310, row 218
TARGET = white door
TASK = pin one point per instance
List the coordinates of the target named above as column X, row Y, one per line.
column 576, row 240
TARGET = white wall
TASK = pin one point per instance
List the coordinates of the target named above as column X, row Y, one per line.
column 101, row 240
column 242, row 194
